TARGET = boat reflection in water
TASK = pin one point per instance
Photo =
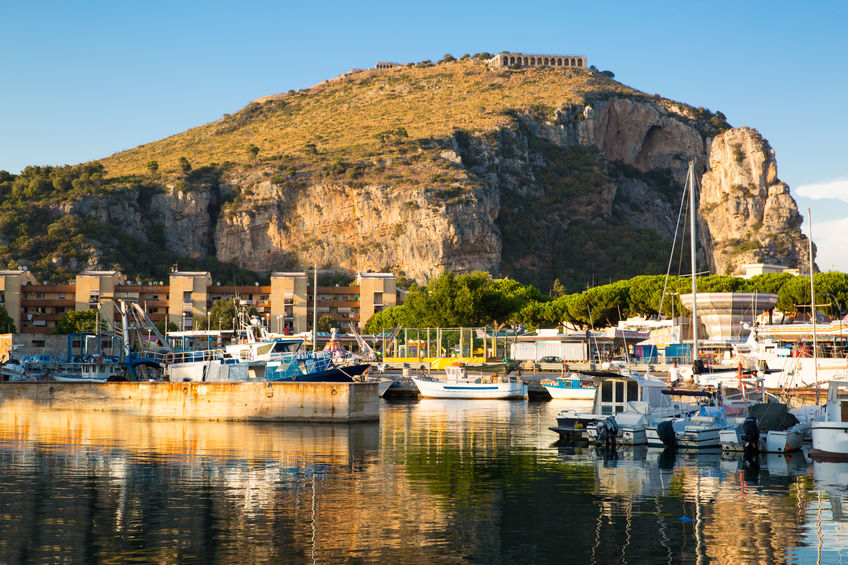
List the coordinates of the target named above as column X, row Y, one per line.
column 435, row 481
column 724, row 508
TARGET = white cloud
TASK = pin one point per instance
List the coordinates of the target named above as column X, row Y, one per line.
column 835, row 189
column 829, row 238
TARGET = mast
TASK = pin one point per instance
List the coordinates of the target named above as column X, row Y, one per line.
column 315, row 311
column 693, row 238
column 813, row 305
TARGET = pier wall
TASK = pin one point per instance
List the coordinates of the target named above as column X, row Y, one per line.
column 245, row 401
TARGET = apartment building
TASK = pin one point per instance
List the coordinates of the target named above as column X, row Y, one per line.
column 287, row 305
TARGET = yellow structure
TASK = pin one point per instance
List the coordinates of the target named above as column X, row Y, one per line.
column 377, row 291
column 285, row 305
column 187, row 297
column 11, row 282
column 92, row 287
column 288, row 302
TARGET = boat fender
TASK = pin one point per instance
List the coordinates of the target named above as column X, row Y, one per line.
column 665, row 431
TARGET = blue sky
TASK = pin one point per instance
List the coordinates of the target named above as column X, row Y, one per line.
column 83, row 80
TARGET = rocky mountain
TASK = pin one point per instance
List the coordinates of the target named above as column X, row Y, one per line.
column 532, row 173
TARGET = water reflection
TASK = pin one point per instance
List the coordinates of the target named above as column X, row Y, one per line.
column 435, row 481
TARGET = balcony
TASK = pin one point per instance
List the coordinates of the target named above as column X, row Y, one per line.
column 50, row 302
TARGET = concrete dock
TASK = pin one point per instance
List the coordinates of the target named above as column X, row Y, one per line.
column 238, row 401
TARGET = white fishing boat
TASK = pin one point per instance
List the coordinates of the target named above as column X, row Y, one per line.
column 571, row 387
column 830, row 434
column 458, row 384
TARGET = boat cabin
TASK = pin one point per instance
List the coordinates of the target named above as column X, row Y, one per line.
column 615, row 391
column 837, row 401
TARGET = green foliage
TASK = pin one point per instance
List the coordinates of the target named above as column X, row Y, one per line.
column 452, row 300
column 185, row 166
column 172, row 327
column 608, row 74
column 222, row 314
column 476, row 299
column 7, row 324
column 737, row 152
column 394, row 135
column 75, row 322
column 252, row 151
column 326, row 323
column 43, row 183
column 153, row 166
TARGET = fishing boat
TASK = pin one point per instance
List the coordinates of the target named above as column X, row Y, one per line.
column 830, row 434
column 91, row 369
column 571, row 387
column 458, row 384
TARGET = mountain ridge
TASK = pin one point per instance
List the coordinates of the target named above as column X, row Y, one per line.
column 533, row 173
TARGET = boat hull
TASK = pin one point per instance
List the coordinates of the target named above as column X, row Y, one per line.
column 470, row 390
column 566, row 393
column 830, row 440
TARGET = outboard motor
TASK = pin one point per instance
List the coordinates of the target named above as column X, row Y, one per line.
column 611, row 427
column 665, row 431
column 750, row 435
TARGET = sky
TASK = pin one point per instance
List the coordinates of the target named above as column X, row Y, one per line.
column 84, row 80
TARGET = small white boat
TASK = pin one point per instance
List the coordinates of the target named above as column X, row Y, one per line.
column 571, row 387
column 830, row 435
column 458, row 384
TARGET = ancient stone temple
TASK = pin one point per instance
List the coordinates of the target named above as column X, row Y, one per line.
column 503, row 60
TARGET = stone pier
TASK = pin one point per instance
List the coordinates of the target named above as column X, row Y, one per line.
column 241, row 401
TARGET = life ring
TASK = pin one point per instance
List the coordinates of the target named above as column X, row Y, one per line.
column 169, row 358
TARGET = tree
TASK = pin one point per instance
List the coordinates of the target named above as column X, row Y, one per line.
column 7, row 324
column 172, row 327
column 152, row 166
column 185, row 165
column 557, row 289
column 77, row 322
column 252, row 151
column 326, row 323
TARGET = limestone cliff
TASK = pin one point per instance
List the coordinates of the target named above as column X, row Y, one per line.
column 535, row 174
column 749, row 214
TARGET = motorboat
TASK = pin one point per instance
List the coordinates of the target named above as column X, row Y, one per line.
column 700, row 429
column 459, row 384
column 830, row 434
column 634, row 401
column 90, row 369
column 12, row 370
column 571, row 387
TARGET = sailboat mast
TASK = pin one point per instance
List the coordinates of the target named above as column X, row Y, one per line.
column 693, row 238
column 315, row 311
column 813, row 305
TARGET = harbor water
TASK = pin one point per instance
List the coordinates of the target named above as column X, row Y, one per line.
column 434, row 481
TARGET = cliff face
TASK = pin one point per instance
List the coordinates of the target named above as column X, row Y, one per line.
column 582, row 192
column 749, row 213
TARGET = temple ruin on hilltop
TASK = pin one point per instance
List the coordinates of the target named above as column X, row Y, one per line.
column 505, row 59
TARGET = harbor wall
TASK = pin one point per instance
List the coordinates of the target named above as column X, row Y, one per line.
column 244, row 401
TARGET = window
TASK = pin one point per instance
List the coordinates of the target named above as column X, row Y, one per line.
column 38, row 343
column 378, row 298
column 187, row 297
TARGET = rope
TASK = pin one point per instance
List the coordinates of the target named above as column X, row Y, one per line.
column 673, row 243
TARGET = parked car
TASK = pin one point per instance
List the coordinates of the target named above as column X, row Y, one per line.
column 550, row 363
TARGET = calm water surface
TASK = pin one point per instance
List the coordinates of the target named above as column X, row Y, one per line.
column 436, row 481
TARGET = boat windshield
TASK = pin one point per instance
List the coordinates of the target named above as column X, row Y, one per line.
column 286, row 346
